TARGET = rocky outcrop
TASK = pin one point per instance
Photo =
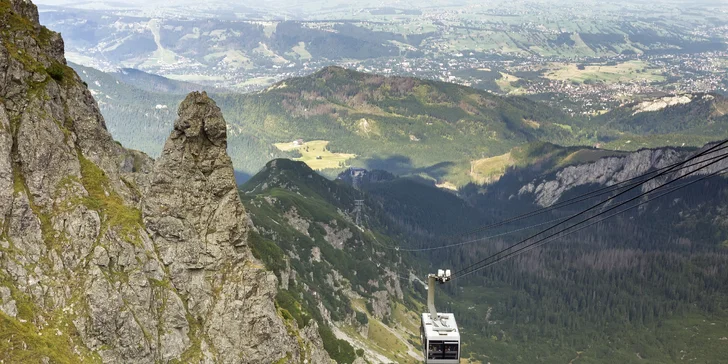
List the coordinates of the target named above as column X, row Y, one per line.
column 107, row 255
column 661, row 103
column 612, row 170
column 335, row 236
column 316, row 352
column 199, row 228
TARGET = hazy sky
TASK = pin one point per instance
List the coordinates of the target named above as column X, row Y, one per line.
column 314, row 7
column 412, row 3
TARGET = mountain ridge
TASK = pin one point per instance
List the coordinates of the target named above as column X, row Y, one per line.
column 307, row 233
column 391, row 132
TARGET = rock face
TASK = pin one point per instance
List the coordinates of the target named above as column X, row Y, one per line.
column 611, row 170
column 198, row 225
column 662, row 103
column 107, row 255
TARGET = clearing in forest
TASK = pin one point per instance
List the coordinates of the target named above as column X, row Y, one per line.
column 622, row 72
column 488, row 170
column 316, row 155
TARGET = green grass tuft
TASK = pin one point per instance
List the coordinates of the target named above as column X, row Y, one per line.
column 23, row 343
column 289, row 306
column 18, row 182
column 103, row 198
column 56, row 71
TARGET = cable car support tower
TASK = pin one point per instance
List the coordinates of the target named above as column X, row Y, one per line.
column 439, row 331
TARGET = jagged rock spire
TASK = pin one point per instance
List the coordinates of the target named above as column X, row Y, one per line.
column 112, row 255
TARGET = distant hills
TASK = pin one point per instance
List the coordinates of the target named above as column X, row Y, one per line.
column 447, row 133
column 154, row 83
column 400, row 124
column 191, row 41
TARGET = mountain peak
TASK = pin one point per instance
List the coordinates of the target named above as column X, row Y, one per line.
column 287, row 164
column 22, row 30
column 194, row 170
column 26, row 9
column 201, row 119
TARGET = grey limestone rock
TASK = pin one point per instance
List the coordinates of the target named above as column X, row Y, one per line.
column 7, row 303
column 125, row 258
column 198, row 223
column 381, row 306
column 612, row 170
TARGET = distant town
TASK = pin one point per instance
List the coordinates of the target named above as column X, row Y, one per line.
column 672, row 74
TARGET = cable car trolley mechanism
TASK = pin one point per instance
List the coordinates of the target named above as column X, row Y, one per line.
column 438, row 331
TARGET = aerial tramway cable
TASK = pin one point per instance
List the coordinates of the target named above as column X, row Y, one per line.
column 587, row 219
column 571, row 201
column 469, row 269
column 709, row 150
column 533, row 246
column 583, row 197
column 592, row 194
column 436, row 326
column 663, row 171
column 412, row 250
column 479, row 239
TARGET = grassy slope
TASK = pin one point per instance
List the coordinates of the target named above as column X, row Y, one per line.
column 316, row 154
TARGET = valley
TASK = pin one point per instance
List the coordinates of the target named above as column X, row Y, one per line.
column 443, row 132
column 315, row 154
column 505, row 47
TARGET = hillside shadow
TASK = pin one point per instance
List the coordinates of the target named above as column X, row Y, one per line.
column 396, row 164
column 437, row 171
column 402, row 165
column 241, row 177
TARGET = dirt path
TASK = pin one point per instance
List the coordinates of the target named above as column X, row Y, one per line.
column 371, row 355
column 578, row 355
column 411, row 351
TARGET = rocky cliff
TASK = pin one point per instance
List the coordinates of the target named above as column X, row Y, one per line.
column 612, row 170
column 107, row 255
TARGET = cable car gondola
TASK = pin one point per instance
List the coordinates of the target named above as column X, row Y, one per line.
column 438, row 331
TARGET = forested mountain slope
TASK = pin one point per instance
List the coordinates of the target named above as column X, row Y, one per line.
column 647, row 286
column 138, row 118
column 342, row 275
